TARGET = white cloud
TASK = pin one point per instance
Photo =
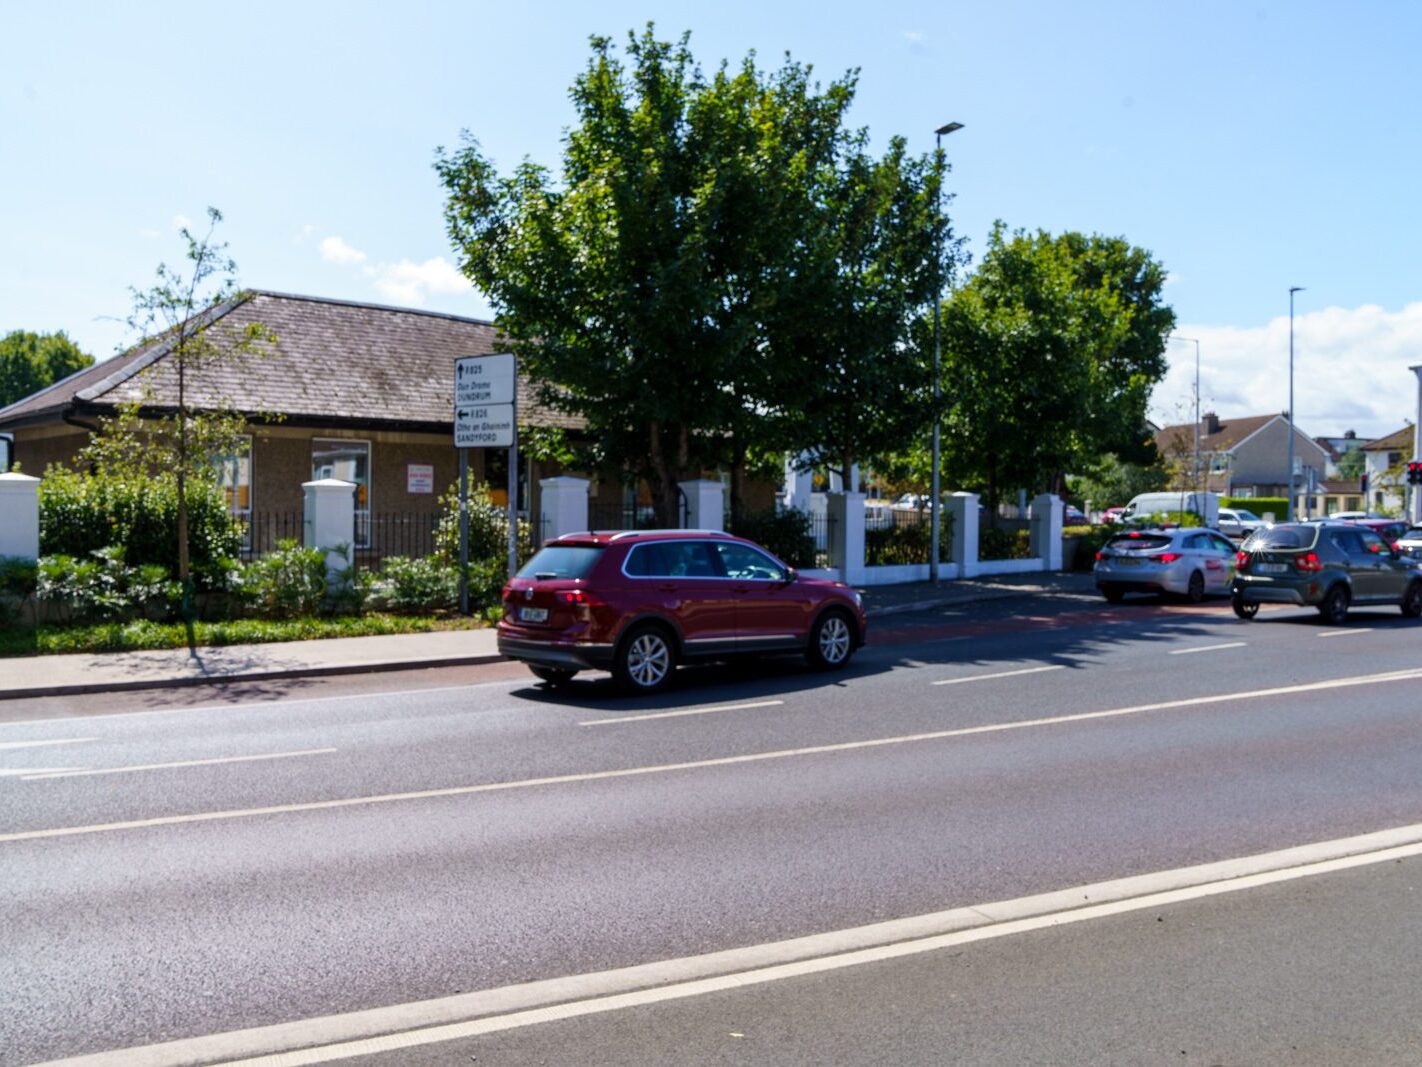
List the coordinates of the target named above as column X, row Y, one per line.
column 408, row 282
column 182, row 222
column 917, row 41
column 335, row 250
column 1350, row 370
column 148, row 234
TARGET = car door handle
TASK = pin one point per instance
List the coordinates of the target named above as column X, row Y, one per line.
column 666, row 587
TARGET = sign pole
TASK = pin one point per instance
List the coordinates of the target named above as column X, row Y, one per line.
column 464, row 531
column 513, row 493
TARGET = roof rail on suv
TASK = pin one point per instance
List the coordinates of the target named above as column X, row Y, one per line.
column 637, row 533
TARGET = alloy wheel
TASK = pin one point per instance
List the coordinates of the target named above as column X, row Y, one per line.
column 648, row 660
column 834, row 640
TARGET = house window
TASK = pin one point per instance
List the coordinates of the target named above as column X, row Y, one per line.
column 1219, row 463
column 1394, row 458
column 350, row 462
column 234, row 476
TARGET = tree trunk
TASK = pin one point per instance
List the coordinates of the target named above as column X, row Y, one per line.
column 663, row 480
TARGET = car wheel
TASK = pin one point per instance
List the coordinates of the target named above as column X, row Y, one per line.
column 1334, row 608
column 1412, row 600
column 1195, row 590
column 645, row 660
column 1245, row 609
column 831, row 641
column 554, row 676
column 1113, row 593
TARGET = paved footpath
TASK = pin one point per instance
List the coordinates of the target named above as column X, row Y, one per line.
column 37, row 676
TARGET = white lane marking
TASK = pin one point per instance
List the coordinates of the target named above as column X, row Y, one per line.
column 679, row 714
column 7, row 745
column 87, row 771
column 17, row 772
column 246, row 705
column 410, row 1025
column 1346, row 633
column 1001, row 674
column 1207, row 648
column 722, row 761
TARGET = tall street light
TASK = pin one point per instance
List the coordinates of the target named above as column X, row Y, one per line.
column 1196, row 483
column 935, row 511
column 1292, row 290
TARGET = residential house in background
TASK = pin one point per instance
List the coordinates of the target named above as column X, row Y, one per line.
column 1245, row 457
column 1387, row 471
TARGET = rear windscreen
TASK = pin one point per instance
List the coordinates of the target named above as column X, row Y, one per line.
column 1139, row 542
column 562, row 561
column 1282, row 537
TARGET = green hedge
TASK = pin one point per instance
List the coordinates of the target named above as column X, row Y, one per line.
column 81, row 514
column 1258, row 504
column 786, row 533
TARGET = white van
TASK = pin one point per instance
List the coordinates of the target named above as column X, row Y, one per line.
column 1142, row 507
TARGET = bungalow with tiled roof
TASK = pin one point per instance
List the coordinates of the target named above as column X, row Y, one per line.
column 364, row 393
column 1247, row 456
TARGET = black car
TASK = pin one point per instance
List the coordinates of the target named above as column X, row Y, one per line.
column 1326, row 565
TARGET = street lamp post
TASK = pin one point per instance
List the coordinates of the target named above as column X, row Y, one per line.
column 935, row 510
column 1292, row 290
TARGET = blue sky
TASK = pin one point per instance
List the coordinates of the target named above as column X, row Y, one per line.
column 1250, row 146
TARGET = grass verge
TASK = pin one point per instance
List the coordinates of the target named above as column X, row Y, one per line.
column 141, row 634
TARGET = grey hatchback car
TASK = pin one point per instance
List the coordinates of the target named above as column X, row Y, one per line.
column 1329, row 566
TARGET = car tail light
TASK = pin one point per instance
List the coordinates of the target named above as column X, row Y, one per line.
column 1241, row 561
column 1308, row 562
column 580, row 600
column 1167, row 557
column 1100, row 556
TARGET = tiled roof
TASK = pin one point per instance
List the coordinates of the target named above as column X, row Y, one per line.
column 1399, row 440
column 333, row 361
column 1231, row 432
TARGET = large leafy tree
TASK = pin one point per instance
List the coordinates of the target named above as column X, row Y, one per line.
column 680, row 286
column 854, row 382
column 31, row 361
column 1051, row 350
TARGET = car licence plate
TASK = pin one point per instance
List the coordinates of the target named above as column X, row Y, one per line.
column 1273, row 568
column 533, row 614
column 1128, row 561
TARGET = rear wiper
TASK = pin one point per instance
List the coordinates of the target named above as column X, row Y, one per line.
column 545, row 576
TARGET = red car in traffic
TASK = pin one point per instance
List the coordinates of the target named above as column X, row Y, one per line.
column 638, row 603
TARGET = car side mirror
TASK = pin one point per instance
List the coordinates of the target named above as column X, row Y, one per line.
column 791, row 574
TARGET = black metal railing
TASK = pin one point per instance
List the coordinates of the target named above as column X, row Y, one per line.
column 395, row 533
column 262, row 530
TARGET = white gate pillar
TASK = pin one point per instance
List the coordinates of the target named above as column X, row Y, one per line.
column 329, row 519
column 798, row 484
column 964, row 509
column 564, row 506
column 19, row 516
column 1047, row 531
column 846, row 541
column 705, row 504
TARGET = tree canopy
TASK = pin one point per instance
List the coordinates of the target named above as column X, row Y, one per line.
column 1051, row 349
column 31, row 361
column 721, row 266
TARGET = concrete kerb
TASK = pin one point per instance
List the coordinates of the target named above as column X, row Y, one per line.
column 270, row 675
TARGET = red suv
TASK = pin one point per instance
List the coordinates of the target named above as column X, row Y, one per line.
column 637, row 603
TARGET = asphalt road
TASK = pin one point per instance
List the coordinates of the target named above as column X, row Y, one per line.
column 171, row 869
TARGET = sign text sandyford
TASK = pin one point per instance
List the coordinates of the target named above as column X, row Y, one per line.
column 484, row 426
column 482, row 380
column 419, row 478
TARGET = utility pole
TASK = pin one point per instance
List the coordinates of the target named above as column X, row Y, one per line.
column 935, row 510
column 1292, row 290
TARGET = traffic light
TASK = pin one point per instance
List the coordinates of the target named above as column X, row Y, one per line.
column 1414, row 472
